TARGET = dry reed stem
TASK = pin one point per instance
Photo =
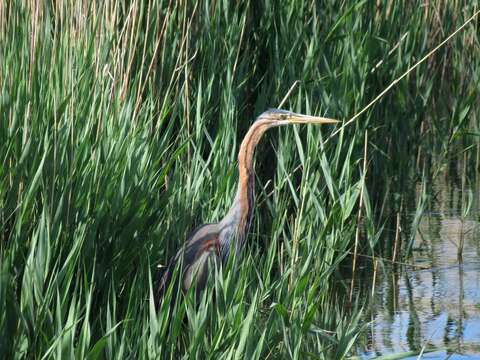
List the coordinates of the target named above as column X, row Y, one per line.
column 359, row 215
column 238, row 48
column 295, row 83
column 397, row 238
column 375, row 267
column 392, row 50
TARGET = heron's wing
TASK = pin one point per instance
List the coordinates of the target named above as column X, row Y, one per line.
column 192, row 261
column 197, row 260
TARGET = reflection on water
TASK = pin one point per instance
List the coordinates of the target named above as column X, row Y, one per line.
column 435, row 306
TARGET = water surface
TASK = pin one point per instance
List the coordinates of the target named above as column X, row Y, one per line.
column 435, row 305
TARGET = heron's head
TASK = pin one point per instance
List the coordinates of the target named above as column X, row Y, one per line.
column 277, row 117
column 272, row 118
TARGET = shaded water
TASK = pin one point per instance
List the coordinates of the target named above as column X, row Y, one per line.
column 434, row 306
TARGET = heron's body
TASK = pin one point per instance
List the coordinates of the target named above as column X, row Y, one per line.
column 212, row 242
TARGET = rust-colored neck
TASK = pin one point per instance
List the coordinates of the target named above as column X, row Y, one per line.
column 245, row 195
column 234, row 226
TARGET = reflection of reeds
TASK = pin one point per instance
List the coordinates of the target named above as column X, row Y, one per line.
column 460, row 309
column 430, row 295
column 414, row 329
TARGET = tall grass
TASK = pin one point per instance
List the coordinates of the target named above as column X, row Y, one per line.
column 119, row 128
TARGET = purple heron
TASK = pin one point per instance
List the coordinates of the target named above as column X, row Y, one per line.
column 214, row 241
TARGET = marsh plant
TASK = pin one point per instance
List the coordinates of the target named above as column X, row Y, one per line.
column 119, row 128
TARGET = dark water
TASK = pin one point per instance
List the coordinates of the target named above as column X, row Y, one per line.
column 436, row 305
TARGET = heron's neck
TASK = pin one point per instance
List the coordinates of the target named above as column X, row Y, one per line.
column 236, row 223
column 238, row 218
column 244, row 198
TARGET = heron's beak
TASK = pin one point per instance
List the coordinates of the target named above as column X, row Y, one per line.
column 307, row 119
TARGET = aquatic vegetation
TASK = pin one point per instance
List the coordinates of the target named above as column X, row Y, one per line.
column 119, row 128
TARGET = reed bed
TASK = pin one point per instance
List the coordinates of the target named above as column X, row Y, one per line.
column 119, row 127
